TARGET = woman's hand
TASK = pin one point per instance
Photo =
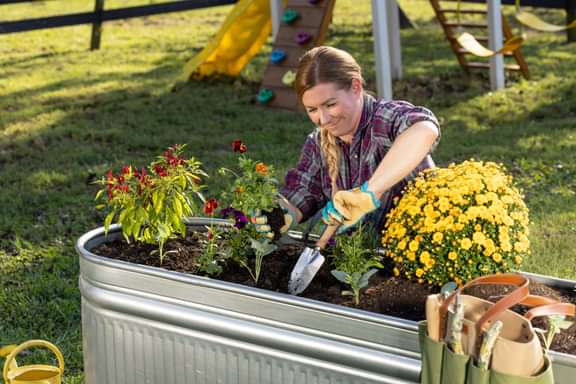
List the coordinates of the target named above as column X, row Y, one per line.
column 349, row 207
column 354, row 204
column 272, row 224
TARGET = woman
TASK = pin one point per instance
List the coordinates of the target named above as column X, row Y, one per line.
column 362, row 153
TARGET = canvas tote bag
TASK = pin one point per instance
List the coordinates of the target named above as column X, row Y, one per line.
column 517, row 356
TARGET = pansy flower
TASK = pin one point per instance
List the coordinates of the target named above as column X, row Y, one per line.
column 240, row 220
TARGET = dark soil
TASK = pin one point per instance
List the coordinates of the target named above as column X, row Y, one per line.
column 386, row 294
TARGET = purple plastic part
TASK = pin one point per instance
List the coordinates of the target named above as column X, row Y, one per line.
column 303, row 38
column 314, row 2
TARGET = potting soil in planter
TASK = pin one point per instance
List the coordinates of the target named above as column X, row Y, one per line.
column 385, row 294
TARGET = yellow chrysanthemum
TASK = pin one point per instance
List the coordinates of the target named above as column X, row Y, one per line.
column 444, row 204
column 437, row 237
column 402, row 244
column 424, row 257
column 468, row 212
column 520, row 246
column 466, row 243
column 479, row 238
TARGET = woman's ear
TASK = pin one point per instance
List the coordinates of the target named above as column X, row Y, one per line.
column 357, row 87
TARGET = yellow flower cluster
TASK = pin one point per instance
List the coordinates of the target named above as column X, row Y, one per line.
column 457, row 223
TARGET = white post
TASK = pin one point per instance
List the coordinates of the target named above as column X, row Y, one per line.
column 495, row 43
column 394, row 35
column 276, row 9
column 382, row 49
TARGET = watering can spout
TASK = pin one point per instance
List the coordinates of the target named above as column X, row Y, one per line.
column 31, row 374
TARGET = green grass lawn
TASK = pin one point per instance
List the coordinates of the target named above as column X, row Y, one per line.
column 68, row 114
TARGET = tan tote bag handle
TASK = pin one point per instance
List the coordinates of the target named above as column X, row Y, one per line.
column 518, row 295
column 552, row 309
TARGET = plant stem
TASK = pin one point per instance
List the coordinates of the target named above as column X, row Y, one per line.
column 258, row 266
column 245, row 265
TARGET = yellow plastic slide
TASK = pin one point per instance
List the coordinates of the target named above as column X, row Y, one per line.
column 240, row 37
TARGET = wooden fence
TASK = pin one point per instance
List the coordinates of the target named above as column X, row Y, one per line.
column 100, row 15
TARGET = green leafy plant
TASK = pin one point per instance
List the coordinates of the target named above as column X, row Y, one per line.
column 556, row 323
column 355, row 260
column 254, row 187
column 151, row 203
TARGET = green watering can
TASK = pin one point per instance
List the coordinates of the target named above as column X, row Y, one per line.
column 36, row 373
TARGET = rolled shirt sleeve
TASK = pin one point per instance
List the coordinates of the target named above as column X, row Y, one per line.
column 404, row 115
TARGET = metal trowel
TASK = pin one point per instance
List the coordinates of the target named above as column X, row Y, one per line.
column 309, row 263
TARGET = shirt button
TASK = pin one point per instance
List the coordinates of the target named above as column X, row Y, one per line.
column 355, row 156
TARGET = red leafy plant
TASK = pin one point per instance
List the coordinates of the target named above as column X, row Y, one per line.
column 151, row 203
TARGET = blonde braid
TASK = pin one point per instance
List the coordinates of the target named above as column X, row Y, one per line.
column 331, row 153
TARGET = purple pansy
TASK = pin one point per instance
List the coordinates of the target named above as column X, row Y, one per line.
column 240, row 220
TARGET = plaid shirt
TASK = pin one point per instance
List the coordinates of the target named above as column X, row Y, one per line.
column 308, row 187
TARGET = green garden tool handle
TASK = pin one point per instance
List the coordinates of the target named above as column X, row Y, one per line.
column 10, row 362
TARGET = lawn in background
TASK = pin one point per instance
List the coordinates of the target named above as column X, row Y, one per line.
column 67, row 115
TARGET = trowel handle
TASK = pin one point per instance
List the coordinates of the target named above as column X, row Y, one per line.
column 326, row 235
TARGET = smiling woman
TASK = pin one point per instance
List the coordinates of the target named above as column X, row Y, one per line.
column 361, row 154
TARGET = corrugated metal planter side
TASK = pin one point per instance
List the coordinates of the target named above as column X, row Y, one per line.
column 143, row 324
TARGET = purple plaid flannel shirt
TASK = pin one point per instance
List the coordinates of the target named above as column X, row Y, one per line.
column 307, row 186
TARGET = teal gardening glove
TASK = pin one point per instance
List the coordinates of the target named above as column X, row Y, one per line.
column 349, row 207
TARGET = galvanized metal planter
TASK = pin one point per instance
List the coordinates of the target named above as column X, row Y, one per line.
column 146, row 325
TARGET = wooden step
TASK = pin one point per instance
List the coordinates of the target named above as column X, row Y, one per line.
column 480, row 39
column 466, row 25
column 465, row 11
column 463, row 51
column 475, row 64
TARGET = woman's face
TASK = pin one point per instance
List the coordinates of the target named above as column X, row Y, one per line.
column 334, row 109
